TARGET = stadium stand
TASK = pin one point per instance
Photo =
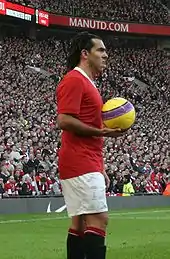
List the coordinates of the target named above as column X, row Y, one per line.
column 30, row 139
column 165, row 2
column 142, row 11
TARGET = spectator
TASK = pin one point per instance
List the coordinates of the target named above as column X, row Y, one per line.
column 27, row 186
column 2, row 190
column 54, row 184
column 167, row 189
column 42, row 183
column 15, row 156
column 4, row 174
column 10, row 187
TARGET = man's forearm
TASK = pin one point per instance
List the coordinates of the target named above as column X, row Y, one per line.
column 69, row 123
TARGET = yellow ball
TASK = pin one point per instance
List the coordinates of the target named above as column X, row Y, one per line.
column 118, row 113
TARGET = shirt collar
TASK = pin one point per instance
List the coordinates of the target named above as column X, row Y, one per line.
column 85, row 75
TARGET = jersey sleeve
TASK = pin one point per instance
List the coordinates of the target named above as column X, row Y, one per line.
column 69, row 96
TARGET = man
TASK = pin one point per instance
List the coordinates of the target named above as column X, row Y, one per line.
column 128, row 189
column 167, row 189
column 81, row 165
column 1, row 187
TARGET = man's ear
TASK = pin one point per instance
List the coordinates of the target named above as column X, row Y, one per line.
column 84, row 53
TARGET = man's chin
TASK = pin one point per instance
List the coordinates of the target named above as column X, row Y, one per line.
column 102, row 70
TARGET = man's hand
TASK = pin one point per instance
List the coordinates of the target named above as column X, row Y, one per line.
column 106, row 132
column 107, row 180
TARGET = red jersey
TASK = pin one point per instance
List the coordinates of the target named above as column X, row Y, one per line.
column 11, row 188
column 78, row 96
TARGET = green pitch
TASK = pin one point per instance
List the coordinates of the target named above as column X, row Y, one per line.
column 142, row 234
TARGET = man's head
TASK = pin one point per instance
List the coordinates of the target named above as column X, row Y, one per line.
column 1, row 148
column 11, row 179
column 126, row 178
column 38, row 156
column 14, row 148
column 89, row 50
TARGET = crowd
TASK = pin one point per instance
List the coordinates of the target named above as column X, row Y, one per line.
column 30, row 138
column 142, row 11
column 165, row 2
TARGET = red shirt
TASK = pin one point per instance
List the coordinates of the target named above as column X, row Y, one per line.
column 149, row 187
column 152, row 176
column 10, row 188
column 77, row 95
column 156, row 186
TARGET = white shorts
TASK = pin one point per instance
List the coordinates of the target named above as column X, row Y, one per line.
column 85, row 194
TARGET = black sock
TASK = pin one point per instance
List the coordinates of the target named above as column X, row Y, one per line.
column 75, row 245
column 94, row 241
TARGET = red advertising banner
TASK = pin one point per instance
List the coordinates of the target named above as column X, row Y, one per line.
column 109, row 25
column 20, row 8
column 2, row 7
column 42, row 17
column 16, row 10
column 16, row 7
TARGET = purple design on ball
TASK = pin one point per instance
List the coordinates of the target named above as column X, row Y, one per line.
column 114, row 113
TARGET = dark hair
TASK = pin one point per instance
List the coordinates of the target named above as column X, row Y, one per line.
column 127, row 177
column 82, row 40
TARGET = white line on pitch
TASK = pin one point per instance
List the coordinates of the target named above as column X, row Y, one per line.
column 111, row 215
column 142, row 218
column 139, row 212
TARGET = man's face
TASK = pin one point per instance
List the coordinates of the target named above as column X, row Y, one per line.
column 1, row 149
column 30, row 142
column 12, row 179
column 40, row 144
column 35, row 139
column 14, row 148
column 31, row 156
column 18, row 145
column 38, row 156
column 17, row 173
column 97, row 56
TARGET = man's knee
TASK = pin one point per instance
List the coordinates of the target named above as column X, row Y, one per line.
column 99, row 220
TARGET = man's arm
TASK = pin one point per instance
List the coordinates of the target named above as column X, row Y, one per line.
column 107, row 180
column 72, row 124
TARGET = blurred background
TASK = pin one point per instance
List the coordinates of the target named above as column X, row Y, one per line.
column 34, row 38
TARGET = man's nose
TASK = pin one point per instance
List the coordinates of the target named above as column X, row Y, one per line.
column 105, row 56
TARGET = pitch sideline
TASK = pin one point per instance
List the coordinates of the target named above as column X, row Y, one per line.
column 111, row 215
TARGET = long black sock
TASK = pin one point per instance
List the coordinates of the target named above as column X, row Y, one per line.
column 75, row 245
column 94, row 241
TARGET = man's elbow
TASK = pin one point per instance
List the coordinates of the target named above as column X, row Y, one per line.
column 62, row 121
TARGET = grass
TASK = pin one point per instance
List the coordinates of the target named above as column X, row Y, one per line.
column 141, row 234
